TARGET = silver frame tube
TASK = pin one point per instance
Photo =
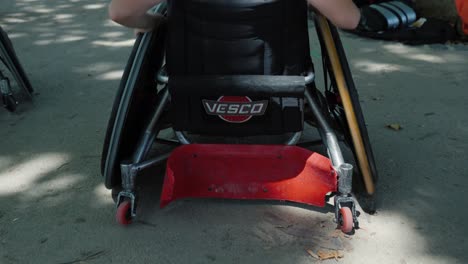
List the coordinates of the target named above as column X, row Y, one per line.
column 326, row 132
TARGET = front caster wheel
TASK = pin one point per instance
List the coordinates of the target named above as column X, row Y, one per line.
column 124, row 213
column 346, row 220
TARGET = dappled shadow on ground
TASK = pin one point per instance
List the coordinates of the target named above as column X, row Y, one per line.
column 421, row 166
column 53, row 205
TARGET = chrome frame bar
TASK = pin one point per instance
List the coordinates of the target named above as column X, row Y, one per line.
column 344, row 170
column 182, row 138
column 326, row 132
column 294, row 139
column 149, row 135
column 162, row 77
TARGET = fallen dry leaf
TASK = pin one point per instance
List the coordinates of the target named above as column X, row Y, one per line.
column 396, row 127
column 312, row 254
column 330, row 254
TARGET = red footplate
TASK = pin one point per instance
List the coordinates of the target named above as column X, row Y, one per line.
column 267, row 172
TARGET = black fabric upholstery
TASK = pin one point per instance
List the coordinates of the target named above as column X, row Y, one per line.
column 236, row 37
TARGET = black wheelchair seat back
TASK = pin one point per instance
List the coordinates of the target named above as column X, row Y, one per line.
column 237, row 37
column 237, row 45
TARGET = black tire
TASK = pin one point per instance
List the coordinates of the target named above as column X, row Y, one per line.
column 134, row 104
column 12, row 62
column 117, row 100
column 337, row 110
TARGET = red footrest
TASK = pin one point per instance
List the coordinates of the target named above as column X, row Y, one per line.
column 267, row 172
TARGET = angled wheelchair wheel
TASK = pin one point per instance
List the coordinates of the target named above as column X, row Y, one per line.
column 342, row 100
column 10, row 60
column 134, row 104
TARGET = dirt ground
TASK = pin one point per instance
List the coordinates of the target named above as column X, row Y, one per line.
column 55, row 209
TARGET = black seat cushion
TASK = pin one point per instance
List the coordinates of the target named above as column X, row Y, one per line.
column 236, row 37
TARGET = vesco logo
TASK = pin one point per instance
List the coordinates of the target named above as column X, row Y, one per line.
column 235, row 109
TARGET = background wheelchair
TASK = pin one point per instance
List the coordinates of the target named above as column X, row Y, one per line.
column 9, row 59
column 238, row 69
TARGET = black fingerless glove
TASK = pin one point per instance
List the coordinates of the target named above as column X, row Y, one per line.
column 371, row 20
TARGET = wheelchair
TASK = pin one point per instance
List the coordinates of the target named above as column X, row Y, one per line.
column 12, row 64
column 218, row 70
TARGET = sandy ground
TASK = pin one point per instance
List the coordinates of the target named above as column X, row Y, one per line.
column 55, row 209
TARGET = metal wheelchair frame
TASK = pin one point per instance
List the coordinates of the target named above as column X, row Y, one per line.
column 130, row 169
